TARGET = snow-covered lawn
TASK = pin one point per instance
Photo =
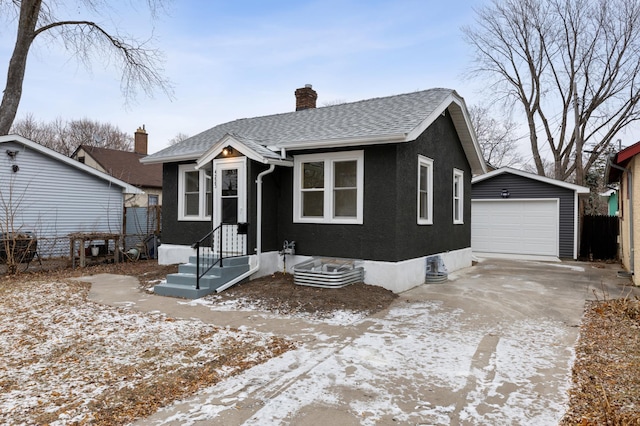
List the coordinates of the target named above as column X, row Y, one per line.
column 340, row 317
column 66, row 360
column 485, row 349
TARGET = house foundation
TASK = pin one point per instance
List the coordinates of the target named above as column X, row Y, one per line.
column 395, row 276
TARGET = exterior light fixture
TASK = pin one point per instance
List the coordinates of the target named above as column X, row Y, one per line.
column 505, row 193
column 227, row 150
column 11, row 153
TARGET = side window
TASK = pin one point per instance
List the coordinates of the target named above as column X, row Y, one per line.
column 194, row 193
column 191, row 194
column 458, row 196
column 329, row 188
column 312, row 190
column 345, row 189
column 425, row 191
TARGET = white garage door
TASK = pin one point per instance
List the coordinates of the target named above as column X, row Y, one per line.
column 515, row 226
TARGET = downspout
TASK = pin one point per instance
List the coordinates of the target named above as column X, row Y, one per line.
column 631, row 236
column 258, row 232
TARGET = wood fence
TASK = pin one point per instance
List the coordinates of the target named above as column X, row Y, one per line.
column 599, row 238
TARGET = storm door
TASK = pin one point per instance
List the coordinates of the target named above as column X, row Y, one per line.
column 229, row 203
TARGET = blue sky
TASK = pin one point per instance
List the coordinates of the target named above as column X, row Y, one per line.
column 236, row 59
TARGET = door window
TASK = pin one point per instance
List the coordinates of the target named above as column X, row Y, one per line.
column 229, row 197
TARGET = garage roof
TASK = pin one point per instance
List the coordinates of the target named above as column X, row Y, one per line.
column 579, row 189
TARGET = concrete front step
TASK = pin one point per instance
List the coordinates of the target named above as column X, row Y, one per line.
column 228, row 261
column 227, row 267
column 189, row 279
column 182, row 291
column 183, row 283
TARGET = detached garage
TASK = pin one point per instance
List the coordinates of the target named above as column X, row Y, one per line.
column 515, row 212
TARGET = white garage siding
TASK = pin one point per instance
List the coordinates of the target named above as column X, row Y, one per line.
column 515, row 226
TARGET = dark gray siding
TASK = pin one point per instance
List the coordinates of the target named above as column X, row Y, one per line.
column 522, row 187
column 389, row 231
column 270, row 190
column 174, row 231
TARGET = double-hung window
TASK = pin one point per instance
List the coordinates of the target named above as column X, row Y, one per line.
column 425, row 190
column 458, row 196
column 328, row 188
column 194, row 193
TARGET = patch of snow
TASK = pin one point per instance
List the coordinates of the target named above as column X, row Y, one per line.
column 419, row 355
column 216, row 303
column 61, row 352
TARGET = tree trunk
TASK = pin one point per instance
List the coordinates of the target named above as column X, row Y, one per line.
column 29, row 12
column 537, row 160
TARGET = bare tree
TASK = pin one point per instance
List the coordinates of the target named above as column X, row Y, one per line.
column 36, row 19
column 16, row 245
column 179, row 137
column 546, row 165
column 334, row 102
column 65, row 136
column 571, row 65
column 497, row 138
column 37, row 131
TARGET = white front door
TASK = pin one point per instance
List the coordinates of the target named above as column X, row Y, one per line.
column 229, row 201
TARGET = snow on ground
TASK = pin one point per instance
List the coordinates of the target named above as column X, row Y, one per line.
column 63, row 356
column 339, row 317
column 420, row 364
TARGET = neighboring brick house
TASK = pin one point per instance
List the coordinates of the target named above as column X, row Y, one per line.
column 126, row 166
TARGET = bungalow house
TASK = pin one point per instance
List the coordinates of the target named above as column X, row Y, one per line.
column 51, row 195
column 125, row 165
column 386, row 181
column 623, row 168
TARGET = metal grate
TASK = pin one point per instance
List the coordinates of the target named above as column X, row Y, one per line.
column 328, row 273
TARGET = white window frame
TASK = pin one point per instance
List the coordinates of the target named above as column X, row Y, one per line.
column 428, row 163
column 329, row 160
column 458, row 210
column 202, row 193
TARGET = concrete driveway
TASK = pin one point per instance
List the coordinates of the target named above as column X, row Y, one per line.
column 492, row 346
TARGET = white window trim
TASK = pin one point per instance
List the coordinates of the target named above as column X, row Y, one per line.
column 202, row 198
column 428, row 162
column 329, row 159
column 460, row 213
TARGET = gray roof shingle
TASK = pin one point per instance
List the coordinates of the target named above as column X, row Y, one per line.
column 378, row 117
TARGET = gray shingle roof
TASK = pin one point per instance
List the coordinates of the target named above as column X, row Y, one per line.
column 378, row 117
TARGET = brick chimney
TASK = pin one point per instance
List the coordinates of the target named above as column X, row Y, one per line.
column 140, row 141
column 305, row 97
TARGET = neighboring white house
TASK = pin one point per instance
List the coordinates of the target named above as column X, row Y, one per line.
column 51, row 195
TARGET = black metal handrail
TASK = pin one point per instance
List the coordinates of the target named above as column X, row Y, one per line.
column 207, row 245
